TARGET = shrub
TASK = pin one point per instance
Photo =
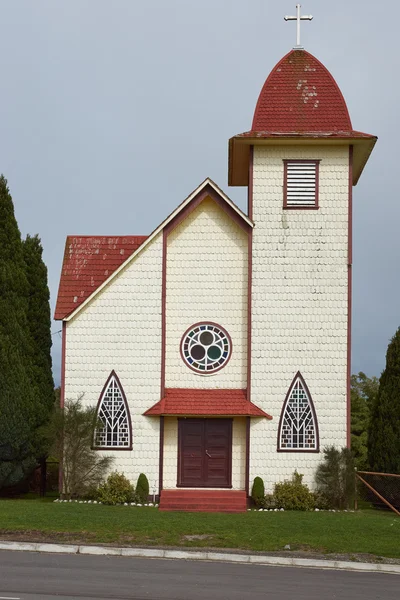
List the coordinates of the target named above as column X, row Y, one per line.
column 72, row 430
column 258, row 492
column 269, row 501
column 142, row 489
column 294, row 494
column 116, row 490
column 335, row 477
column 321, row 501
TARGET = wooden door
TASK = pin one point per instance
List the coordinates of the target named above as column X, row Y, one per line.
column 205, row 453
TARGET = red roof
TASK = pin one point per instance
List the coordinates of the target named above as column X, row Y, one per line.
column 300, row 95
column 88, row 262
column 194, row 402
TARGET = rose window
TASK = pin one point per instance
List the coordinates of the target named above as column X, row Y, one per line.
column 206, row 347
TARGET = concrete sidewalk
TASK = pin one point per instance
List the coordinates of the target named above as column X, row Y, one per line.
column 202, row 556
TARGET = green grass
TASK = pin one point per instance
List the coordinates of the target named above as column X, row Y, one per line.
column 367, row 531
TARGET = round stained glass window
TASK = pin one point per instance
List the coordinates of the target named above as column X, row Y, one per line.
column 206, row 347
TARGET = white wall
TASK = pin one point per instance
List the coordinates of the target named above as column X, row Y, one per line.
column 170, row 469
column 121, row 330
column 207, row 281
column 299, row 305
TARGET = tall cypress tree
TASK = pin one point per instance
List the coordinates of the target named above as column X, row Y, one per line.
column 363, row 394
column 39, row 321
column 18, row 392
column 384, row 430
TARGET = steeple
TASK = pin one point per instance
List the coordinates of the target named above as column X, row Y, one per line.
column 300, row 96
column 300, row 102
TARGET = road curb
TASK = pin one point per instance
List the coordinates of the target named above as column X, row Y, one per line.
column 255, row 559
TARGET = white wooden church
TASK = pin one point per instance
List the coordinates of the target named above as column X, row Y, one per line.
column 217, row 348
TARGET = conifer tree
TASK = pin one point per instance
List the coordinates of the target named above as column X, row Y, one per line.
column 39, row 321
column 363, row 393
column 384, row 430
column 18, row 394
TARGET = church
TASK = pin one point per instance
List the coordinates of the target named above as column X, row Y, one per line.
column 217, row 348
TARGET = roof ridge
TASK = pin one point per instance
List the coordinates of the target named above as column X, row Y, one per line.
column 125, row 235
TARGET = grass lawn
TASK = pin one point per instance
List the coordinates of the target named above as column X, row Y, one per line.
column 367, row 531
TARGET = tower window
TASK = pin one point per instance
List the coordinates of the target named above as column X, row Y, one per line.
column 300, row 184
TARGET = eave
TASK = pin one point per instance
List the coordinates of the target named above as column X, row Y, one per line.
column 239, row 149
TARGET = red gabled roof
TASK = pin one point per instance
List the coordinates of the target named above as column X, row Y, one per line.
column 88, row 262
column 194, row 402
column 300, row 95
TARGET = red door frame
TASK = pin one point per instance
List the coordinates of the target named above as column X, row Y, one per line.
column 181, row 423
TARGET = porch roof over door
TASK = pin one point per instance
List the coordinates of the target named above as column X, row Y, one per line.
column 203, row 402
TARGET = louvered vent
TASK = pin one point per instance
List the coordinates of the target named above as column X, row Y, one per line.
column 301, row 184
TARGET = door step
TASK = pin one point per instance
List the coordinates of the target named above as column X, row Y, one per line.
column 203, row 500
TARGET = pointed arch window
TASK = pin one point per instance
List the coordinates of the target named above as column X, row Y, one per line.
column 113, row 412
column 298, row 426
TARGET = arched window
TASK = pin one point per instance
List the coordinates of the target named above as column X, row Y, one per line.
column 113, row 412
column 298, row 427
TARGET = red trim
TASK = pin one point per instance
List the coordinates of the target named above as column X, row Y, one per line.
column 63, row 353
column 207, row 192
column 62, row 395
column 115, row 448
column 250, row 188
column 250, row 271
column 247, row 471
column 184, row 337
column 161, row 455
column 299, row 206
column 163, row 313
column 249, row 309
column 349, row 297
column 300, row 450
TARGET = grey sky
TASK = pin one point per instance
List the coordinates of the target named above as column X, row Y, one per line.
column 113, row 111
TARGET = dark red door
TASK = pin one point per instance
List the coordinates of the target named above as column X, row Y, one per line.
column 205, row 453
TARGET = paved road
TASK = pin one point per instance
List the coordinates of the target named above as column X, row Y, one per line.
column 34, row 576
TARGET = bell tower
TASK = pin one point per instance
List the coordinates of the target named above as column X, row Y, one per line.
column 300, row 161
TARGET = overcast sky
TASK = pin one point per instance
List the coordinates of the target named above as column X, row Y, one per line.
column 113, row 111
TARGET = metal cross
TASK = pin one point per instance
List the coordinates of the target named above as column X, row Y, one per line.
column 299, row 18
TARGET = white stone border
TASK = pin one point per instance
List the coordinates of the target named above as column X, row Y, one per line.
column 281, row 561
column 150, row 504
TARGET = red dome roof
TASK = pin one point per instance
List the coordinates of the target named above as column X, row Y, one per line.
column 300, row 95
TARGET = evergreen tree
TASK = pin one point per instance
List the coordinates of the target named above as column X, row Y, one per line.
column 39, row 321
column 18, row 394
column 384, row 430
column 363, row 393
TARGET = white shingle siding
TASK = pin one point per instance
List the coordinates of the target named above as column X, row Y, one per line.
column 299, row 305
column 121, row 330
column 207, row 281
column 170, row 470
